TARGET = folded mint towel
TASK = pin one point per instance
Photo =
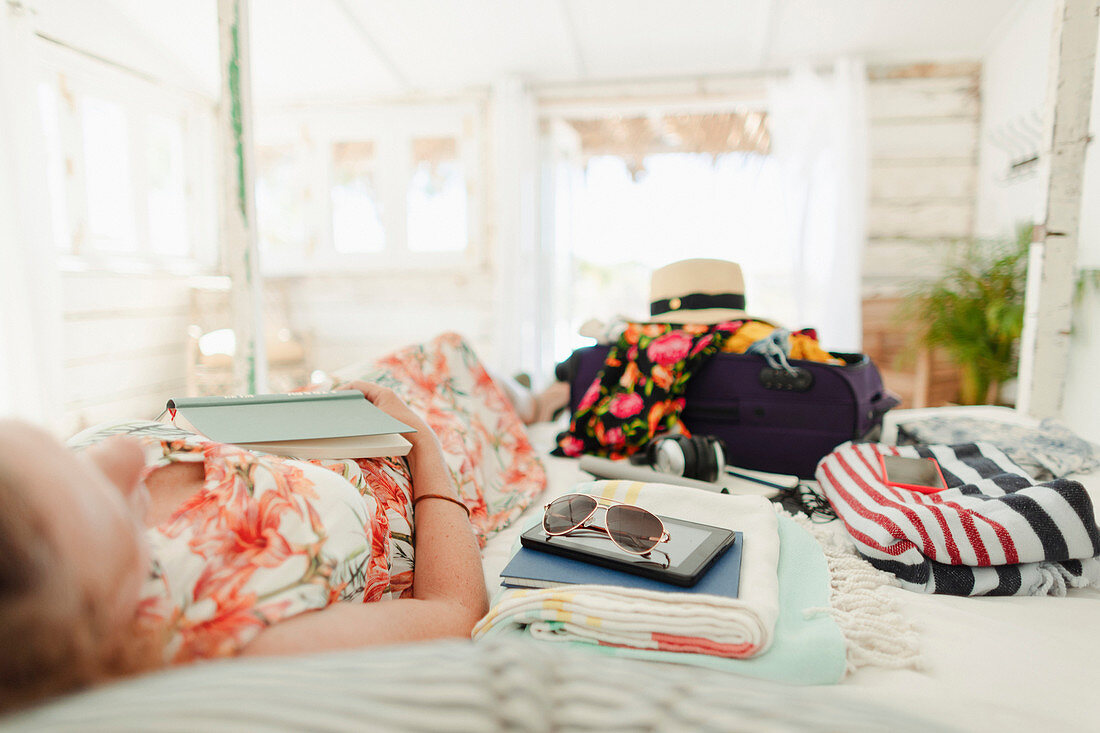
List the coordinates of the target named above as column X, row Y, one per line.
column 808, row 647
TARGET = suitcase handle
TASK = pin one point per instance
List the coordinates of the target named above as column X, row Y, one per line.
column 884, row 402
column 567, row 370
column 794, row 379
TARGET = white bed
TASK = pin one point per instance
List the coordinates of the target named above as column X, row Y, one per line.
column 986, row 664
column 1016, row 663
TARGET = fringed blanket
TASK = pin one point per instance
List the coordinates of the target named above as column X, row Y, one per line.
column 805, row 615
column 992, row 532
column 658, row 620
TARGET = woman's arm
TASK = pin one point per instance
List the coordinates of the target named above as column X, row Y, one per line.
column 448, row 591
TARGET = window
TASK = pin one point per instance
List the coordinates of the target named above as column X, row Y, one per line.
column 379, row 187
column 626, row 224
column 167, row 187
column 634, row 192
column 356, row 204
column 108, row 185
column 436, row 202
column 280, row 202
column 128, row 164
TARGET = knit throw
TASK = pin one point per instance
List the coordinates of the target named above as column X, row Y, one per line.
column 991, row 532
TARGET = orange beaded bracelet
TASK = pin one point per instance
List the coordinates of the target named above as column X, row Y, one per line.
column 420, row 498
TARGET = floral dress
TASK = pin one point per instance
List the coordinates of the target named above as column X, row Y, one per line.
column 266, row 538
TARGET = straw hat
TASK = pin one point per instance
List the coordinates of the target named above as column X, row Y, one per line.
column 697, row 291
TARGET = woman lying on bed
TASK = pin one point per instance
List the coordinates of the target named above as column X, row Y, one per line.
column 165, row 548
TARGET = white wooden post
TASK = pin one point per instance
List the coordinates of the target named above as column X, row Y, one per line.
column 515, row 162
column 31, row 383
column 1044, row 348
column 239, row 240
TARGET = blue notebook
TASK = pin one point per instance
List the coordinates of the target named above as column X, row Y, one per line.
column 533, row 569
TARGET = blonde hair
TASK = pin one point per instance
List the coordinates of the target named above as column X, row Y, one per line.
column 53, row 638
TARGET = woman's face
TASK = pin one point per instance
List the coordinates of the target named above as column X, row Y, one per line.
column 90, row 506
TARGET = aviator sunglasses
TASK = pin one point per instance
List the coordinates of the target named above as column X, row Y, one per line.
column 630, row 527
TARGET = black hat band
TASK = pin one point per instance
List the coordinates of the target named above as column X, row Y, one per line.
column 698, row 302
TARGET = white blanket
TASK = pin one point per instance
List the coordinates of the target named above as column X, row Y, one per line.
column 1006, row 664
column 665, row 621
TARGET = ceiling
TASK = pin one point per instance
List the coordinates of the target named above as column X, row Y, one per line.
column 341, row 49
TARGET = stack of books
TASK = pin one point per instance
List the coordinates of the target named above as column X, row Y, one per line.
column 534, row 569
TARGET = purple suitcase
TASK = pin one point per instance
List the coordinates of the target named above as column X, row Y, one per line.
column 769, row 419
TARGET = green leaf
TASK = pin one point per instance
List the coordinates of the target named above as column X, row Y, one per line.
column 975, row 309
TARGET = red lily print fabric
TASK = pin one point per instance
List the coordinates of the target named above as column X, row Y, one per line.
column 267, row 538
column 485, row 444
column 639, row 392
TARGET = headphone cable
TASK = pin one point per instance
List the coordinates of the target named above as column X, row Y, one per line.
column 733, row 472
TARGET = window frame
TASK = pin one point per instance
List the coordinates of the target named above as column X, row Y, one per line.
column 565, row 170
column 391, row 129
column 74, row 77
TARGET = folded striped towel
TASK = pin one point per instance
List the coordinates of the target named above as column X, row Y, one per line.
column 992, row 532
column 655, row 620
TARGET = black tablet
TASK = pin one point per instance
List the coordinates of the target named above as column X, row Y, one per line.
column 690, row 550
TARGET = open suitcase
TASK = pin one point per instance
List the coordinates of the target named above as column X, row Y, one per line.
column 770, row 420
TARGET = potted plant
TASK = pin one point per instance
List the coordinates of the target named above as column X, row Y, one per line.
column 975, row 312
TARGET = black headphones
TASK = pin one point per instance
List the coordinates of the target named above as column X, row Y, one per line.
column 700, row 457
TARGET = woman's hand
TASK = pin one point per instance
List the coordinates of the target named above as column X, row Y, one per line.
column 386, row 400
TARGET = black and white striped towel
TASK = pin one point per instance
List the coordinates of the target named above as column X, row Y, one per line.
column 992, row 532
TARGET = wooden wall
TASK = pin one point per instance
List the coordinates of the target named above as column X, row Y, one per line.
column 125, row 340
column 924, row 125
column 924, row 131
column 354, row 318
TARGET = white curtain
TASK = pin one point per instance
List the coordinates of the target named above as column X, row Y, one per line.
column 30, row 320
column 818, row 124
column 518, row 256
